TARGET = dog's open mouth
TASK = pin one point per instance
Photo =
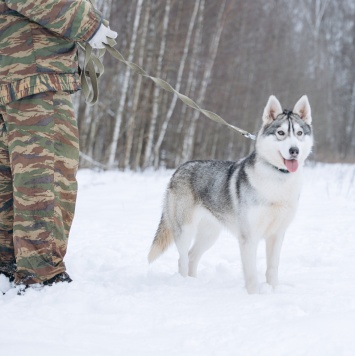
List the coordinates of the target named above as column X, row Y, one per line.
column 291, row 164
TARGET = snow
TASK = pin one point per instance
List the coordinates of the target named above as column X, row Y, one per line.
column 118, row 305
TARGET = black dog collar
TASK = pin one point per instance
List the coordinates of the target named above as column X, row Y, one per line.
column 282, row 170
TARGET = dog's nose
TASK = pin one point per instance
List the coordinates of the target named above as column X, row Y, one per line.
column 294, row 151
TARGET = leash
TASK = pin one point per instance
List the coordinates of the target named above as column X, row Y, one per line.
column 93, row 70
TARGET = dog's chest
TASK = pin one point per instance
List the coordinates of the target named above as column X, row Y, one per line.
column 275, row 209
column 267, row 220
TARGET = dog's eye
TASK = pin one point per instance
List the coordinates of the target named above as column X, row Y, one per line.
column 281, row 133
column 299, row 133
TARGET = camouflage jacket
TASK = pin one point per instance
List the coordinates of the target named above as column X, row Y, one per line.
column 37, row 45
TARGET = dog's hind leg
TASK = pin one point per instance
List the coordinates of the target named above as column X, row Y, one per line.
column 183, row 243
column 207, row 235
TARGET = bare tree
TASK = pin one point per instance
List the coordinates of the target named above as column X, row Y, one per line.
column 155, row 112
column 131, row 120
column 188, row 142
column 116, row 130
column 177, row 86
column 191, row 81
column 228, row 56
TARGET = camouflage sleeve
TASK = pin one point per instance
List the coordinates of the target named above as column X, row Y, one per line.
column 77, row 20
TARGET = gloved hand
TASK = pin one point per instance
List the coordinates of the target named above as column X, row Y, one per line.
column 100, row 37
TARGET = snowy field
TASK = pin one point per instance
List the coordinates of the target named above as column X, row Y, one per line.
column 120, row 306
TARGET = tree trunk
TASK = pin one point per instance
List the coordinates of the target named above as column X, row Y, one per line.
column 188, row 142
column 151, row 132
column 177, row 87
column 132, row 119
column 191, row 82
column 119, row 115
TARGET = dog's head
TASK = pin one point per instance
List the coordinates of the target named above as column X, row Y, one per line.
column 285, row 139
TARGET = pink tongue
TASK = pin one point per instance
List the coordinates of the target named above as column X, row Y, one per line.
column 291, row 165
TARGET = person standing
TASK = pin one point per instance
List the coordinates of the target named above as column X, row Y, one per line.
column 39, row 147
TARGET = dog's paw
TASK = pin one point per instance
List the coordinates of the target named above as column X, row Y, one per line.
column 263, row 288
column 283, row 288
column 266, row 288
column 252, row 288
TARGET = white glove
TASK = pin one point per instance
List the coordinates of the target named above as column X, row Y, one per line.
column 101, row 37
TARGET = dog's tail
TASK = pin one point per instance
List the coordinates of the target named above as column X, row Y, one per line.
column 162, row 240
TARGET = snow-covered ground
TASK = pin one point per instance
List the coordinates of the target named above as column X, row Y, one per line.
column 120, row 306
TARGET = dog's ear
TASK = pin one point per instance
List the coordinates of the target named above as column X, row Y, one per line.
column 272, row 109
column 303, row 109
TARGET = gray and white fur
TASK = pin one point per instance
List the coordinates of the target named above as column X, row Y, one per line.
column 254, row 198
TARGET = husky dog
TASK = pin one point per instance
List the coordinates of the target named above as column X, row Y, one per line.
column 254, row 198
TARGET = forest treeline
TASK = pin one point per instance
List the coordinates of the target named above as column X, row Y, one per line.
column 229, row 56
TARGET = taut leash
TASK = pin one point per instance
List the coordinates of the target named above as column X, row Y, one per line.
column 93, row 70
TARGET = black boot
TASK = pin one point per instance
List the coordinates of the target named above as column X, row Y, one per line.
column 8, row 270
column 61, row 277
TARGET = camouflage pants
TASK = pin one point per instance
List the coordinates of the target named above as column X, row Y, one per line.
column 39, row 152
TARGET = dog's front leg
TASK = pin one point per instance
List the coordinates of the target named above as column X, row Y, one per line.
column 248, row 249
column 273, row 250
